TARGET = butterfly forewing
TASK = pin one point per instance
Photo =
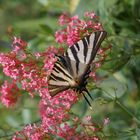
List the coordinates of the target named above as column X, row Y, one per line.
column 72, row 70
column 84, row 51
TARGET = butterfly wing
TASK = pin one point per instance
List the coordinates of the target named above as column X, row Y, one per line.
column 60, row 78
column 82, row 53
column 72, row 70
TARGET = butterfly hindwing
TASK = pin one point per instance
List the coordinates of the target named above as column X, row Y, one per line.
column 60, row 78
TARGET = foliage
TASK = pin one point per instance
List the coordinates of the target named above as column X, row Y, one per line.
column 116, row 91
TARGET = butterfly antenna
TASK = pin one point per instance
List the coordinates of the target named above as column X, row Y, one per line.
column 88, row 93
column 87, row 100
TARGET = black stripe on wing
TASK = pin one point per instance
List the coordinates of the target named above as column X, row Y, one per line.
column 53, row 90
column 74, row 52
column 85, row 43
column 59, row 69
column 98, row 38
column 57, row 78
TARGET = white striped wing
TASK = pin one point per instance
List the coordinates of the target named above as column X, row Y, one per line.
column 72, row 70
column 83, row 52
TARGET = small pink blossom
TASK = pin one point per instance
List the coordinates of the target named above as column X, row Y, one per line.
column 88, row 118
column 37, row 55
column 18, row 44
column 10, row 63
column 67, row 132
column 98, row 65
column 75, row 17
column 60, row 36
column 106, row 121
column 64, row 19
column 75, row 119
column 98, row 26
column 95, row 138
column 90, row 14
column 44, row 93
column 93, row 76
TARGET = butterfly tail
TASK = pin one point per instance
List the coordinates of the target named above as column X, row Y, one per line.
column 88, row 93
column 87, row 100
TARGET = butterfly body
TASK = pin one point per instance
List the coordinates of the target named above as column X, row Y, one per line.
column 71, row 71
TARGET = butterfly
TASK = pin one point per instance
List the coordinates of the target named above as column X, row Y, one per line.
column 72, row 69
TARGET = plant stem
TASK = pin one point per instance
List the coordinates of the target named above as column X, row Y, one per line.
column 127, row 111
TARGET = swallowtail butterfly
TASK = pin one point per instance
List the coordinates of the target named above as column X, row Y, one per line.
column 72, row 69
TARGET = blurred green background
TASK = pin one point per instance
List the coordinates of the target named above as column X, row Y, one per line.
column 117, row 95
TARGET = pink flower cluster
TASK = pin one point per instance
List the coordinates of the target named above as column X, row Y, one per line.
column 30, row 72
column 9, row 93
column 86, row 130
column 76, row 28
column 32, row 132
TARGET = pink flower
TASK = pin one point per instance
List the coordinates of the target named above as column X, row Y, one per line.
column 98, row 26
column 67, row 132
column 88, row 118
column 75, row 18
column 37, row 55
column 106, row 121
column 75, row 119
column 95, row 138
column 97, row 65
column 60, row 36
column 9, row 63
column 93, row 76
column 18, row 44
column 9, row 93
column 64, row 19
column 91, row 15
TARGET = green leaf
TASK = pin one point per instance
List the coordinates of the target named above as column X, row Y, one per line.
column 138, row 133
column 137, row 111
column 112, row 87
column 47, row 29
